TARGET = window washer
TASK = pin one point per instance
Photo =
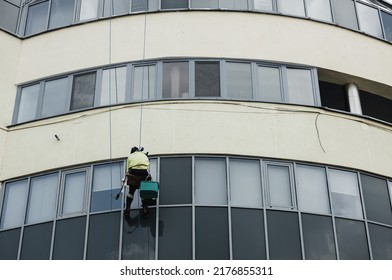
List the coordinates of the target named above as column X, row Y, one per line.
column 137, row 166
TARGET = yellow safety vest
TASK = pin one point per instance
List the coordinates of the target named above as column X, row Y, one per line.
column 138, row 160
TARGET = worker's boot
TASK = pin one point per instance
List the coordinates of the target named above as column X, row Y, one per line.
column 127, row 209
column 146, row 213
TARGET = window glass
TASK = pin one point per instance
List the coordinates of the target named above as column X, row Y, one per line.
column 143, row 5
column 37, row 18
column 55, row 97
column 88, row 9
column 279, row 186
column 154, row 169
column 283, row 236
column 333, row 96
column 319, row 9
column 212, row 4
column 300, row 86
column 14, row 203
column 106, row 185
column 144, row 83
column 352, row 241
column 376, row 106
column 120, row 7
column 61, row 13
column 269, row 84
column 369, row 20
column 292, row 7
column 28, row 103
column 318, row 237
column 83, row 91
column 8, row 16
column 387, row 23
column 381, row 240
column 239, row 80
column 263, row 5
column 345, row 194
column 248, row 234
column 138, row 237
column 175, row 181
column 69, row 239
column 210, row 181
column 376, row 199
column 104, row 236
column 113, row 86
column 207, row 79
column 175, row 227
column 175, row 80
column 344, row 13
column 74, row 193
column 245, row 183
column 9, row 244
column 36, row 242
column 312, row 189
column 42, row 198
column 174, row 4
column 234, row 4
column 211, row 235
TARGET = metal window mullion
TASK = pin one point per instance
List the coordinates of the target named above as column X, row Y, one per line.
column 24, row 218
column 305, row 9
column 315, row 87
column 128, row 83
column 90, row 188
column 332, row 214
column 357, row 16
column 193, row 211
column 254, row 79
column 192, row 77
column 229, row 208
column 48, row 14
column 70, row 92
column 292, row 187
column 332, row 12
column 223, row 79
column 284, row 84
column 264, row 199
column 98, row 87
column 384, row 36
column 40, row 100
column 55, row 216
column 302, row 241
column 157, row 208
column 159, row 80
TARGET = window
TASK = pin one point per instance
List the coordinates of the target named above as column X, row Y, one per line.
column 9, row 243
column 234, row 4
column 42, row 198
column 36, row 242
column 300, row 87
column 381, row 240
column 387, row 22
column 28, row 103
column 312, row 189
column 13, row 212
column 207, row 79
column 345, row 194
column 83, row 91
column 175, row 80
column 263, row 5
column 279, row 185
column 174, row 4
column 55, row 97
column 245, row 183
column 333, row 96
column 61, row 13
column 292, row 7
column 119, row 7
column 144, row 5
column 319, row 9
column 74, row 193
column 37, row 18
column 369, row 20
column 344, row 12
column 239, row 80
column 113, row 88
column 376, row 106
column 211, row 4
column 269, row 84
column 88, row 9
column 8, row 16
column 210, row 181
column 144, row 83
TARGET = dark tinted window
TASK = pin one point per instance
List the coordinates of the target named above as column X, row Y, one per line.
column 387, row 22
column 376, row 106
column 61, row 13
column 174, row 4
column 36, row 242
column 381, row 240
column 207, row 79
column 333, row 96
column 37, row 18
column 83, row 91
column 8, row 16
column 9, row 244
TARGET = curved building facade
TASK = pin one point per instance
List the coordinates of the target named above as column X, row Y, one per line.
column 267, row 122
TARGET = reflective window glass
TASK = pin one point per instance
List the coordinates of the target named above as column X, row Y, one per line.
column 207, row 79
column 143, row 5
column 292, row 7
column 245, row 183
column 376, row 199
column 175, row 181
column 36, row 242
column 269, row 84
column 74, row 193
column 28, row 103
column 344, row 13
column 352, row 241
column 175, row 227
column 239, row 80
column 55, row 97
column 376, row 106
column 279, row 186
column 263, row 5
column 37, row 18
column 9, row 244
column 211, row 236
column 144, row 83
column 8, row 16
column 42, row 198
column 381, row 240
column 319, row 9
column 212, row 4
column 210, row 181
column 88, row 9
column 154, row 169
column 234, row 4
column 318, row 237
column 369, row 20
column 248, row 234
column 300, row 88
column 387, row 23
column 175, row 80
column 14, row 202
column 61, row 13
column 345, row 194
column 120, row 7
column 113, row 86
column 106, row 184
column 83, row 91
column 312, row 189
column 283, row 236
column 174, row 4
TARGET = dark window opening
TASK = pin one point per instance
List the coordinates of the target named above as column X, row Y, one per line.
column 376, row 106
column 333, row 96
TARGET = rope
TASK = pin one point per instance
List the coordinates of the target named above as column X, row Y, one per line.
column 148, row 82
column 110, row 106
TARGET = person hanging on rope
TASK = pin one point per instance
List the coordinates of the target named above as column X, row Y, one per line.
column 137, row 166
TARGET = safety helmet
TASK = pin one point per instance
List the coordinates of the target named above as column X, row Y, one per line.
column 134, row 149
